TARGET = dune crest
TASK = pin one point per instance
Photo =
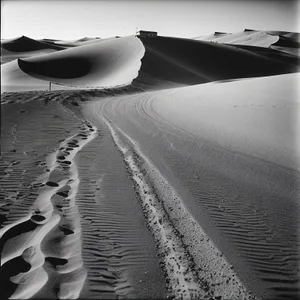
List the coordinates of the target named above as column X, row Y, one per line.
column 147, row 63
column 25, row 44
column 110, row 63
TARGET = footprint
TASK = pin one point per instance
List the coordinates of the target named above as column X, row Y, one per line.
column 51, row 183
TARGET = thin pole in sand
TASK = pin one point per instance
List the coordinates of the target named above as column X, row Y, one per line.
column 50, row 86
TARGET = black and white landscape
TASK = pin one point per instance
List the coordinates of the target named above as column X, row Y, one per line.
column 149, row 164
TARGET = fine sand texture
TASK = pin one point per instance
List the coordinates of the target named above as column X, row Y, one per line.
column 233, row 160
column 71, row 224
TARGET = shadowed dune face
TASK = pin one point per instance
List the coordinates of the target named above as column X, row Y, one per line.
column 190, row 61
column 148, row 63
column 109, row 63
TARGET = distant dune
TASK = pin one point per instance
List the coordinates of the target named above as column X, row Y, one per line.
column 25, row 47
column 24, row 44
column 288, row 42
column 147, row 63
column 249, row 37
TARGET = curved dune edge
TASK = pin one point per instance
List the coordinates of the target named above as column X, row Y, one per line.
column 54, row 215
column 254, row 37
column 111, row 63
column 14, row 79
column 153, row 63
column 161, row 206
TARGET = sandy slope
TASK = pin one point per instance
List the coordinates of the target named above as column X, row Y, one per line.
column 156, row 63
column 253, row 38
column 25, row 44
column 107, row 64
column 261, row 123
column 180, row 61
column 233, row 159
column 25, row 47
column 186, row 61
column 14, row 79
column 67, row 209
column 286, row 42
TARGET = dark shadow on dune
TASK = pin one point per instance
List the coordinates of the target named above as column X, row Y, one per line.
column 171, row 62
column 61, row 68
column 9, row 269
column 292, row 35
column 287, row 58
column 287, row 42
column 19, row 229
column 189, row 61
column 55, row 261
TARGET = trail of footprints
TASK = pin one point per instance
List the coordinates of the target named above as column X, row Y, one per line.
column 29, row 256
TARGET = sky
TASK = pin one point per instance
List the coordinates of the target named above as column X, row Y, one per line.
column 73, row 19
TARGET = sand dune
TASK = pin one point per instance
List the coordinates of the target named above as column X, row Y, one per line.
column 161, row 62
column 25, row 47
column 246, row 37
column 107, row 64
column 14, row 79
column 25, row 44
column 7, row 56
column 287, row 42
column 157, row 188
column 186, row 61
column 72, row 43
column 167, row 62
column 233, row 159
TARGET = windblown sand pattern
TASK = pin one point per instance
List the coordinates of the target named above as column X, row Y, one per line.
column 150, row 187
column 184, row 279
column 118, row 250
column 247, row 205
column 41, row 240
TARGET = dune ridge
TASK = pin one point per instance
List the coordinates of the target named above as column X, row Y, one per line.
column 150, row 63
column 109, row 63
column 282, row 41
column 166, row 62
column 25, row 44
column 205, row 61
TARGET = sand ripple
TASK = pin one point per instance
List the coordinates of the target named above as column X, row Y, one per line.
column 51, row 230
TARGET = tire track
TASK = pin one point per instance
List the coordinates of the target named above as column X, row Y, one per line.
column 214, row 279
